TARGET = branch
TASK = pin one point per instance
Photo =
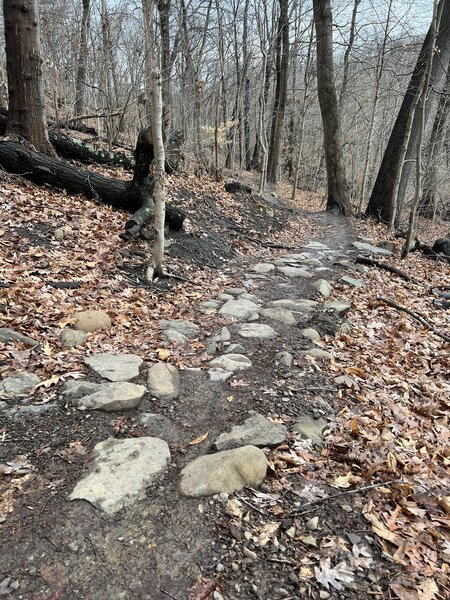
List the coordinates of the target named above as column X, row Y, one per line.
column 375, row 263
column 416, row 316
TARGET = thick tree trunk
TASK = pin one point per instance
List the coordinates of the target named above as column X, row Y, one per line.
column 24, row 67
column 42, row 169
column 338, row 198
column 381, row 200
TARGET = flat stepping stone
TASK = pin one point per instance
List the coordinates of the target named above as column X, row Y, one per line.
column 310, row 429
column 76, row 388
column 232, row 362
column 282, row 315
column 186, row 328
column 175, row 337
column 9, row 335
column 224, row 472
column 316, row 246
column 311, row 334
column 263, row 268
column 302, row 305
column 121, row 472
column 257, row 331
column 19, row 384
column 160, row 426
column 341, row 307
column 352, row 281
column 218, row 374
column 110, row 397
column 163, row 381
column 235, row 291
column 115, row 367
column 239, row 309
column 318, row 353
column 255, row 431
column 92, row 320
column 369, row 249
column 323, row 287
column 295, row 272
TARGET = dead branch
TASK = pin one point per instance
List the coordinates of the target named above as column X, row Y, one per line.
column 362, row 260
column 416, row 316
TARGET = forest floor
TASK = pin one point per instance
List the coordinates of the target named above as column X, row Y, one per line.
column 362, row 513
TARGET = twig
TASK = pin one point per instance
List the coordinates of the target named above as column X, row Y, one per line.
column 375, row 263
column 250, row 505
column 168, row 594
column 366, row 488
column 416, row 316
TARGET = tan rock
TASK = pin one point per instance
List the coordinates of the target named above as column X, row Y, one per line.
column 163, row 381
column 92, row 320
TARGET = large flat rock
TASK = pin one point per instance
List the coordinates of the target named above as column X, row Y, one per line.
column 300, row 305
column 232, row 362
column 119, row 395
column 369, row 249
column 255, row 431
column 9, row 335
column 257, row 331
column 227, row 472
column 295, row 272
column 186, row 328
column 282, row 315
column 19, row 384
column 115, row 367
column 239, row 309
column 121, row 472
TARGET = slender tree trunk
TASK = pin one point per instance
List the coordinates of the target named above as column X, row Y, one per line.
column 24, row 68
column 166, row 64
column 262, row 126
column 338, row 197
column 348, row 50
column 382, row 198
column 80, row 85
column 279, row 109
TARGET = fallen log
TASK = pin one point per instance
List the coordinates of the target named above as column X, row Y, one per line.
column 76, row 149
column 375, row 263
column 41, row 169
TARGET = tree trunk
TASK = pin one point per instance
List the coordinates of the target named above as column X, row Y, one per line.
column 338, row 198
column 24, row 68
column 279, row 109
column 80, row 85
column 381, row 200
column 42, row 169
column 166, row 64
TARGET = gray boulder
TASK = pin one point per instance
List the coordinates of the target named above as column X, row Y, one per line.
column 238, row 309
column 19, row 384
column 72, row 337
column 119, row 395
column 255, row 431
column 115, row 367
column 9, row 335
column 163, row 381
column 232, row 362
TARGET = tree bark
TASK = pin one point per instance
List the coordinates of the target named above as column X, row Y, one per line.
column 381, row 200
column 80, row 85
column 41, row 169
column 338, row 197
column 24, row 68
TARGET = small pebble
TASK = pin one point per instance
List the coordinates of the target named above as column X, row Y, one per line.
column 249, row 553
column 220, row 568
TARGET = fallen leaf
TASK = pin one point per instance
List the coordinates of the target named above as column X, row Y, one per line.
column 47, row 383
column 199, row 439
column 336, row 576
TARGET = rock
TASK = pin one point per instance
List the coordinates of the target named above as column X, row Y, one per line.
column 282, row 315
column 218, row 374
column 253, row 317
column 310, row 429
column 369, row 249
column 3, row 405
column 209, row 306
column 160, row 426
column 235, row 291
column 284, row 358
column 316, row 246
column 121, row 472
column 311, row 334
column 255, row 431
column 163, row 381
column 295, row 272
column 235, row 349
column 317, row 353
column 263, row 268
column 187, row 328
column 225, row 297
column 232, row 362
column 58, row 234
column 171, row 335
column 351, row 281
column 293, row 258
column 77, row 388
column 9, row 335
column 92, row 320
column 442, row 246
column 228, row 471
column 301, row 305
column 323, row 287
column 72, row 337
column 387, row 245
column 239, row 309
column 340, row 307
column 257, row 331
column 32, row 410
column 250, row 297
column 312, row 262
column 233, row 185
column 223, row 336
column 18, row 384
column 115, row 367
column 110, row 397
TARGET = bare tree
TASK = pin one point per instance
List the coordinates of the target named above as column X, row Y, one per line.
column 27, row 118
column 337, row 197
column 80, row 85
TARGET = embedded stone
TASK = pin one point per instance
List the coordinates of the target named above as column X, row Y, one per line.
column 263, row 268
column 163, row 381
column 282, row 315
column 295, row 272
column 310, row 429
column 311, row 334
column 92, row 320
column 119, row 395
column 255, row 431
column 257, row 331
column 19, row 384
column 115, row 367
column 9, row 335
column 232, row 362
column 187, row 328
column 322, row 286
column 72, row 337
column 239, row 309
column 317, row 353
